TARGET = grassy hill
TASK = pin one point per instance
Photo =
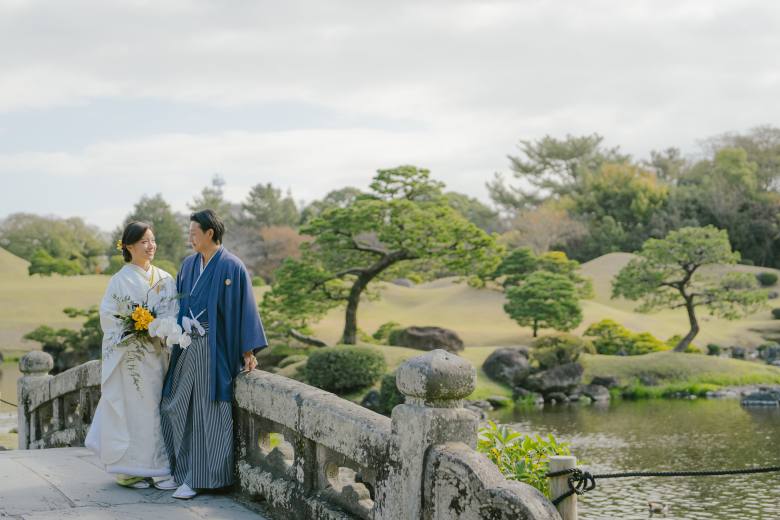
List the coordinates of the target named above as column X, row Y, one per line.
column 476, row 314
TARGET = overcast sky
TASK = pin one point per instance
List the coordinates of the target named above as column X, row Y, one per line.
column 101, row 102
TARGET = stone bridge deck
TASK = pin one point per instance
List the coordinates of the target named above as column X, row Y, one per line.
column 62, row 483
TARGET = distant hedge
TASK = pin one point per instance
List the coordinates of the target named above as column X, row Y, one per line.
column 344, row 369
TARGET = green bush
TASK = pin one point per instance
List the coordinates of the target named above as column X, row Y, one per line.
column 393, row 337
column 257, row 281
column 345, row 368
column 389, row 395
column 559, row 349
column 612, row 338
column 766, row 279
column 713, row 349
column 776, row 313
column 518, row 457
column 382, row 334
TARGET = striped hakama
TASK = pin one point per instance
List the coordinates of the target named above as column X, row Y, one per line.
column 198, row 432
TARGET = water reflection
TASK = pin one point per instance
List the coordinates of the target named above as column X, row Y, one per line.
column 669, row 435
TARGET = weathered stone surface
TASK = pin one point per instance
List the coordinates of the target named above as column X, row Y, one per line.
column 563, row 378
column 428, row 338
column 508, row 365
column 436, row 377
column 35, row 362
column 556, row 398
column 403, row 282
column 461, row 484
column 596, row 392
column 606, row 381
column 738, row 352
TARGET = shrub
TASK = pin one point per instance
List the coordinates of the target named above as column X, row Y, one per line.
column 776, row 313
column 713, row 349
column 559, row 349
column 389, row 395
column 518, row 457
column 257, row 281
column 344, row 369
column 382, row 334
column 766, row 279
column 612, row 338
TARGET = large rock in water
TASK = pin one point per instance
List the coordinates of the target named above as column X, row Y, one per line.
column 428, row 338
column 563, row 378
column 507, row 365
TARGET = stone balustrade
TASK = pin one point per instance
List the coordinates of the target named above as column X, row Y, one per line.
column 308, row 454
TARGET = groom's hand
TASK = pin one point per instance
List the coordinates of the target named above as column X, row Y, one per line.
column 250, row 362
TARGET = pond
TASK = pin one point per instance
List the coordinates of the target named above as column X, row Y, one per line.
column 666, row 435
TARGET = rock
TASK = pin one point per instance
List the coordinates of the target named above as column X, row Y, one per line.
column 770, row 352
column 499, row 401
column 428, row 338
column 403, row 282
column 508, row 365
column 738, row 352
column 563, row 378
column 761, row 399
column 482, row 405
column 648, row 379
column 772, row 295
column 606, row 381
column 596, row 392
column 556, row 398
column 1, row 357
column 371, row 401
column 479, row 411
column 775, row 363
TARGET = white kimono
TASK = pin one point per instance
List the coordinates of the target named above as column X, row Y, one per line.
column 125, row 432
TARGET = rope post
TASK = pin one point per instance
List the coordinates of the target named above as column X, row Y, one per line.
column 560, row 485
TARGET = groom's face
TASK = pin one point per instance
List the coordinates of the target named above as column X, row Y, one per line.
column 199, row 240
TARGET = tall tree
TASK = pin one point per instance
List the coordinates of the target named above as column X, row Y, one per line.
column 403, row 222
column 518, row 265
column 479, row 214
column 340, row 198
column 668, row 274
column 544, row 300
column 762, row 145
column 265, row 206
column 550, row 168
column 54, row 245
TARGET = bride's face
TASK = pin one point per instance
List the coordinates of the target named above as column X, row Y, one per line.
column 144, row 249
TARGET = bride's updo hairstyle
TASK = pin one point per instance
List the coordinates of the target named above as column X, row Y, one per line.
column 134, row 232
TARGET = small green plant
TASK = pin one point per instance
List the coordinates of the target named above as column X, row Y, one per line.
column 559, row 349
column 766, row 279
column 612, row 338
column 343, row 369
column 713, row 349
column 257, row 281
column 776, row 313
column 525, row 458
column 382, row 334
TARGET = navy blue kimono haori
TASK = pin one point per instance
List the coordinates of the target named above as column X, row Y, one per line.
column 224, row 291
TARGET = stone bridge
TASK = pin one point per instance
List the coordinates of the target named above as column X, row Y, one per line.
column 301, row 453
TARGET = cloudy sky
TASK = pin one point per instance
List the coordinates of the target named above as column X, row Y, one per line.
column 101, row 102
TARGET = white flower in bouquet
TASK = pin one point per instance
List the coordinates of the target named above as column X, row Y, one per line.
column 185, row 340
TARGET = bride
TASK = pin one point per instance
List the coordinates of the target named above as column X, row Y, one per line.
column 125, row 432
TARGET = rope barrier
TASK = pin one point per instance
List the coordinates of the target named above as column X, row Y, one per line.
column 581, row 482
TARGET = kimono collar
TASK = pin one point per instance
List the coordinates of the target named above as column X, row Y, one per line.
column 150, row 275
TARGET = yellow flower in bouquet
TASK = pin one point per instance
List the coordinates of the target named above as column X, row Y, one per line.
column 142, row 318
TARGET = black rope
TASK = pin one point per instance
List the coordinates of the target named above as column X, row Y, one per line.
column 11, row 404
column 582, row 481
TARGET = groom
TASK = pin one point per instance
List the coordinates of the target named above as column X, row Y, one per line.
column 218, row 309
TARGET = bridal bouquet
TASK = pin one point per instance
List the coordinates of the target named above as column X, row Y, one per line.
column 142, row 329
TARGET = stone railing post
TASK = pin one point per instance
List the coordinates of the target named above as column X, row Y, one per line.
column 35, row 367
column 435, row 385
